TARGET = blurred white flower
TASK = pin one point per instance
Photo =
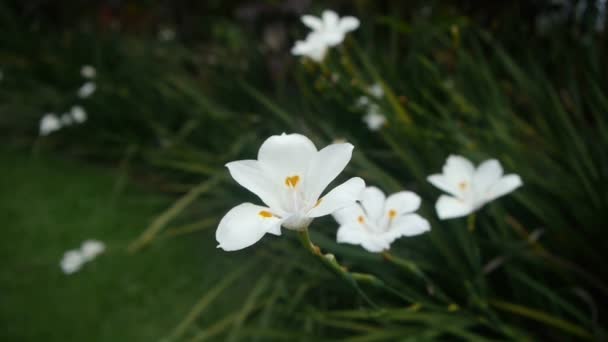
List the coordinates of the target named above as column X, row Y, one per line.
column 373, row 118
column 86, row 90
column 87, row 71
column 66, row 119
column 327, row 31
column 470, row 188
column 72, row 261
column 90, row 249
column 49, row 124
column 166, row 34
column 376, row 90
column 289, row 177
column 377, row 221
column 362, row 101
column 78, row 114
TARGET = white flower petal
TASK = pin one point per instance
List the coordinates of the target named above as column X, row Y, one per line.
column 440, row 181
column 504, row 186
column 330, row 19
column 72, row 261
column 286, row 155
column 348, row 24
column 402, row 202
column 325, row 167
column 90, row 249
column 458, row 169
column 349, row 214
column 486, row 175
column 340, row 197
column 449, row 207
column 86, row 90
column 372, row 200
column 352, row 233
column 78, row 114
column 250, row 175
column 314, row 23
column 245, row 225
column 49, row 124
column 410, row 225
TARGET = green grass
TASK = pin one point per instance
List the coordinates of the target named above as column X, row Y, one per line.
column 50, row 205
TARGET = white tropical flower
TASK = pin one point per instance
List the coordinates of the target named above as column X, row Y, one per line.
column 66, row 119
column 90, row 249
column 470, row 188
column 313, row 47
column 72, row 261
column 330, row 27
column 78, row 114
column 373, row 118
column 87, row 90
column 377, row 220
column 49, row 124
column 289, row 177
column 327, row 31
column 88, row 71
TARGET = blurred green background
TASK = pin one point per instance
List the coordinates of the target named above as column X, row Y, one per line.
column 184, row 87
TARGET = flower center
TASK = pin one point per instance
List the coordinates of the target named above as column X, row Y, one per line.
column 463, row 185
column 361, row 219
column 392, row 214
column 292, row 181
column 265, row 214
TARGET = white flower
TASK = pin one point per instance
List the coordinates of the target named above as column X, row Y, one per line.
column 289, row 177
column 66, row 119
column 166, row 34
column 88, row 71
column 313, row 47
column 470, row 188
column 72, row 261
column 376, row 90
column 378, row 221
column 86, row 90
column 90, row 249
column 373, row 118
column 49, row 124
column 362, row 101
column 78, row 114
column 327, row 31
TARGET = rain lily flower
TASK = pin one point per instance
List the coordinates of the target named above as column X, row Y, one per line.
column 377, row 220
column 289, row 176
column 49, row 124
column 90, row 249
column 88, row 71
column 78, row 114
column 470, row 188
column 72, row 261
column 327, row 31
column 87, row 90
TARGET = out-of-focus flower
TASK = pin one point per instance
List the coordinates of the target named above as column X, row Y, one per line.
column 373, row 118
column 86, row 90
column 377, row 221
column 72, row 261
column 470, row 188
column 90, row 249
column 166, row 34
column 327, row 31
column 88, row 71
column 66, row 119
column 49, row 124
column 78, row 114
column 289, row 176
column 376, row 91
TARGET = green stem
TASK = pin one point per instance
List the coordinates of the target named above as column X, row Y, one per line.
column 411, row 267
column 471, row 222
column 330, row 261
column 542, row 317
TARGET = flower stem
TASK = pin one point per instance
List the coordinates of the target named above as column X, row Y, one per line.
column 471, row 222
column 411, row 267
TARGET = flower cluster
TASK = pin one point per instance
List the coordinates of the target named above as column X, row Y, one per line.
column 74, row 259
column 328, row 31
column 373, row 117
column 290, row 176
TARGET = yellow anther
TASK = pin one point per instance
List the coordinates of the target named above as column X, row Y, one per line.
column 392, row 214
column 292, row 181
column 361, row 219
column 463, row 185
column 265, row 214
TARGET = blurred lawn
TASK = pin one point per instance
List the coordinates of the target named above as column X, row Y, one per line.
column 51, row 205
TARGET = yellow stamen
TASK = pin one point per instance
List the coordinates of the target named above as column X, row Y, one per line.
column 361, row 219
column 463, row 185
column 265, row 214
column 392, row 214
column 292, row 181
